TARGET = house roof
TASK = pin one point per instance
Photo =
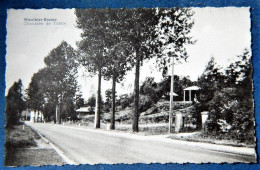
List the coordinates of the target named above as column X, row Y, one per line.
column 192, row 88
column 174, row 94
column 84, row 109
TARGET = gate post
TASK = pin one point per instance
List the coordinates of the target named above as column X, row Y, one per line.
column 178, row 122
column 204, row 118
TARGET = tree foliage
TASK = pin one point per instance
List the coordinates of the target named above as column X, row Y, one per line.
column 121, row 61
column 111, row 36
column 56, row 83
column 35, row 98
column 180, row 83
column 96, row 39
column 228, row 96
column 211, row 80
column 139, row 24
column 172, row 35
column 14, row 104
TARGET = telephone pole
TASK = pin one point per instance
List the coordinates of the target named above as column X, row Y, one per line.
column 171, row 97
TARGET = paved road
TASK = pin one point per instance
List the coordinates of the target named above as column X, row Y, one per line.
column 86, row 146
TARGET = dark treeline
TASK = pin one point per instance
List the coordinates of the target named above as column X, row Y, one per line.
column 228, row 96
column 52, row 89
column 15, row 104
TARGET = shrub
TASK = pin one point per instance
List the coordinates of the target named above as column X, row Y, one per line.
column 145, row 102
column 126, row 100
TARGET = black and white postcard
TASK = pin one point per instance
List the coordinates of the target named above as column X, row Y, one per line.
column 129, row 85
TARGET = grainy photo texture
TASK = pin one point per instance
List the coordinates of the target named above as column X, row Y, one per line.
column 143, row 85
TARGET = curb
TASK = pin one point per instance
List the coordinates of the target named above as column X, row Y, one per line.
column 58, row 150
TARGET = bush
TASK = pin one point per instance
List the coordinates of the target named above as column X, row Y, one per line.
column 145, row 102
column 126, row 100
column 211, row 126
column 150, row 88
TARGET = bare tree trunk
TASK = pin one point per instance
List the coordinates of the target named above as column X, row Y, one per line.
column 34, row 116
column 136, row 93
column 57, row 114
column 38, row 116
column 26, row 114
column 171, row 100
column 112, row 120
column 98, row 103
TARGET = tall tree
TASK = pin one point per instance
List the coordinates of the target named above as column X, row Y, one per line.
column 171, row 36
column 102, row 35
column 92, row 48
column 14, row 104
column 239, row 76
column 121, row 61
column 35, row 98
column 59, row 80
column 211, row 80
column 156, row 32
column 100, row 30
column 135, row 26
column 138, row 24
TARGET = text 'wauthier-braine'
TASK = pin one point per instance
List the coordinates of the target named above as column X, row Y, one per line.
column 40, row 19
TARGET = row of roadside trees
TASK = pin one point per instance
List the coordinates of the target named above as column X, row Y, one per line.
column 113, row 41
column 117, row 40
column 53, row 89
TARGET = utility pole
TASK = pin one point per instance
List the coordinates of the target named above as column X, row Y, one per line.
column 171, row 97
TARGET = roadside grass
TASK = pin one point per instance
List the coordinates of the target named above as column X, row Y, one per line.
column 192, row 135
column 32, row 157
column 200, row 137
column 156, row 130
column 21, row 148
column 20, row 136
column 159, row 114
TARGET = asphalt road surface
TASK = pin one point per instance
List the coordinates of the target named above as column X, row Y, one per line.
column 86, row 146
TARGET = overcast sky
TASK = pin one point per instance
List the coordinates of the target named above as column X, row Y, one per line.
column 220, row 32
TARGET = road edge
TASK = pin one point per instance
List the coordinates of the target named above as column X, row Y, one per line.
column 164, row 138
column 57, row 149
column 208, row 146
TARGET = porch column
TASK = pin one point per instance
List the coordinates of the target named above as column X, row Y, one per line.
column 190, row 95
column 184, row 95
column 31, row 116
column 37, row 116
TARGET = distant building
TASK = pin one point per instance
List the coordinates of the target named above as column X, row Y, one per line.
column 85, row 113
column 36, row 116
column 25, row 115
column 192, row 93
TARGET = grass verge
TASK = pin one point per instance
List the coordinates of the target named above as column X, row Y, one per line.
column 21, row 149
column 200, row 137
